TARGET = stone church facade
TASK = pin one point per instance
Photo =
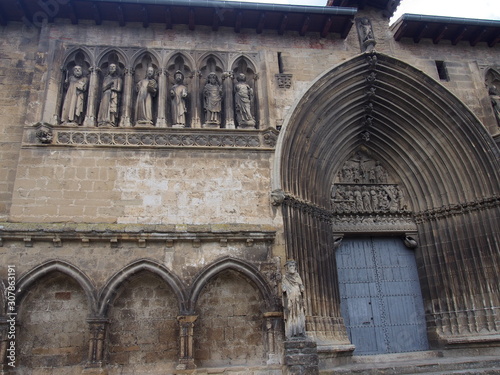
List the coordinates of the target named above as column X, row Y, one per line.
column 162, row 160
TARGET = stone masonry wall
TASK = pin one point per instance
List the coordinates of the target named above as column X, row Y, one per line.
column 53, row 330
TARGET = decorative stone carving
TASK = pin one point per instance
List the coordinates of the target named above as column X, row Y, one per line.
column 111, row 88
column 495, row 101
column 96, row 342
column 362, row 188
column 293, row 303
column 277, row 197
column 74, row 100
column 212, row 101
column 365, row 33
column 284, row 80
column 243, row 99
column 178, row 93
column 146, row 91
column 44, row 134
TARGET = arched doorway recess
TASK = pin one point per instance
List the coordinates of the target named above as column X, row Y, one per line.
column 440, row 155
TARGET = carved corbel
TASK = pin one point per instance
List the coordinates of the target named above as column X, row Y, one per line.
column 277, row 197
column 410, row 241
column 337, row 240
column 44, row 133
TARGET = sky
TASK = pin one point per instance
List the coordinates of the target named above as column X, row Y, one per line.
column 482, row 9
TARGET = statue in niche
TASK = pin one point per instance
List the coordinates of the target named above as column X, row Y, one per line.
column 365, row 33
column 212, row 100
column 293, row 302
column 179, row 93
column 146, row 90
column 74, row 101
column 495, row 101
column 111, row 88
column 243, row 98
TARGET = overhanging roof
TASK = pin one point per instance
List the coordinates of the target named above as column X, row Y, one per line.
column 388, row 6
column 212, row 13
column 453, row 29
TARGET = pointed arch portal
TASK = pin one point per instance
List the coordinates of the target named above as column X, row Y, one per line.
column 435, row 151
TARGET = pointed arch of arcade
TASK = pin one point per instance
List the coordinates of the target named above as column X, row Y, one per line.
column 238, row 265
column 110, row 290
column 440, row 152
column 30, row 279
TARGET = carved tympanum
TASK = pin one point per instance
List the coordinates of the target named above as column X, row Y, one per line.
column 362, row 187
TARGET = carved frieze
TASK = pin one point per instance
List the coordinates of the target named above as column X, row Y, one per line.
column 150, row 137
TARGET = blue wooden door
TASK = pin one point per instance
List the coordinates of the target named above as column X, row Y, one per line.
column 381, row 302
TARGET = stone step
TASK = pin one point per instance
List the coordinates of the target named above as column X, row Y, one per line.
column 423, row 363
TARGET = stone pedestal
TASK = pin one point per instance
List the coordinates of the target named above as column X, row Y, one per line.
column 301, row 357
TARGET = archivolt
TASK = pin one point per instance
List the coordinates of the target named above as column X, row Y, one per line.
column 112, row 287
column 426, row 136
column 33, row 276
column 238, row 265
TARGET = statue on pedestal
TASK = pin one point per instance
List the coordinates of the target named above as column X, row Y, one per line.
column 293, row 303
column 111, row 88
column 179, row 93
column 146, row 90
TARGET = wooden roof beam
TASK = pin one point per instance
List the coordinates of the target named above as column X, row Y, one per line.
column 97, row 14
column 459, row 36
column 22, row 7
column 346, row 28
column 121, row 16
column 326, row 27
column 192, row 19
column 477, row 38
column 72, row 13
column 283, row 24
column 494, row 41
column 168, row 18
column 418, row 37
column 3, row 18
column 239, row 20
column 440, row 34
column 145, row 16
column 305, row 25
column 262, row 23
column 216, row 20
column 400, row 31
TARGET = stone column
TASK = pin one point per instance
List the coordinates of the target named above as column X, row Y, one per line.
column 90, row 116
column 126, row 112
column 272, row 328
column 227, row 79
column 195, row 101
column 186, row 359
column 161, row 121
column 95, row 358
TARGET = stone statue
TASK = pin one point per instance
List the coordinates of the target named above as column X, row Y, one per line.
column 146, row 90
column 212, row 100
column 76, row 84
column 365, row 33
column 111, row 88
column 243, row 98
column 495, row 102
column 179, row 94
column 293, row 303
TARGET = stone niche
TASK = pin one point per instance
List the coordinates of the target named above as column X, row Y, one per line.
column 132, row 87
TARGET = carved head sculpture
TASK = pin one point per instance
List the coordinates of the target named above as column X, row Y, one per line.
column 291, row 266
column 212, row 78
column 77, row 71
column 179, row 76
column 112, row 69
column 150, row 72
column 241, row 77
